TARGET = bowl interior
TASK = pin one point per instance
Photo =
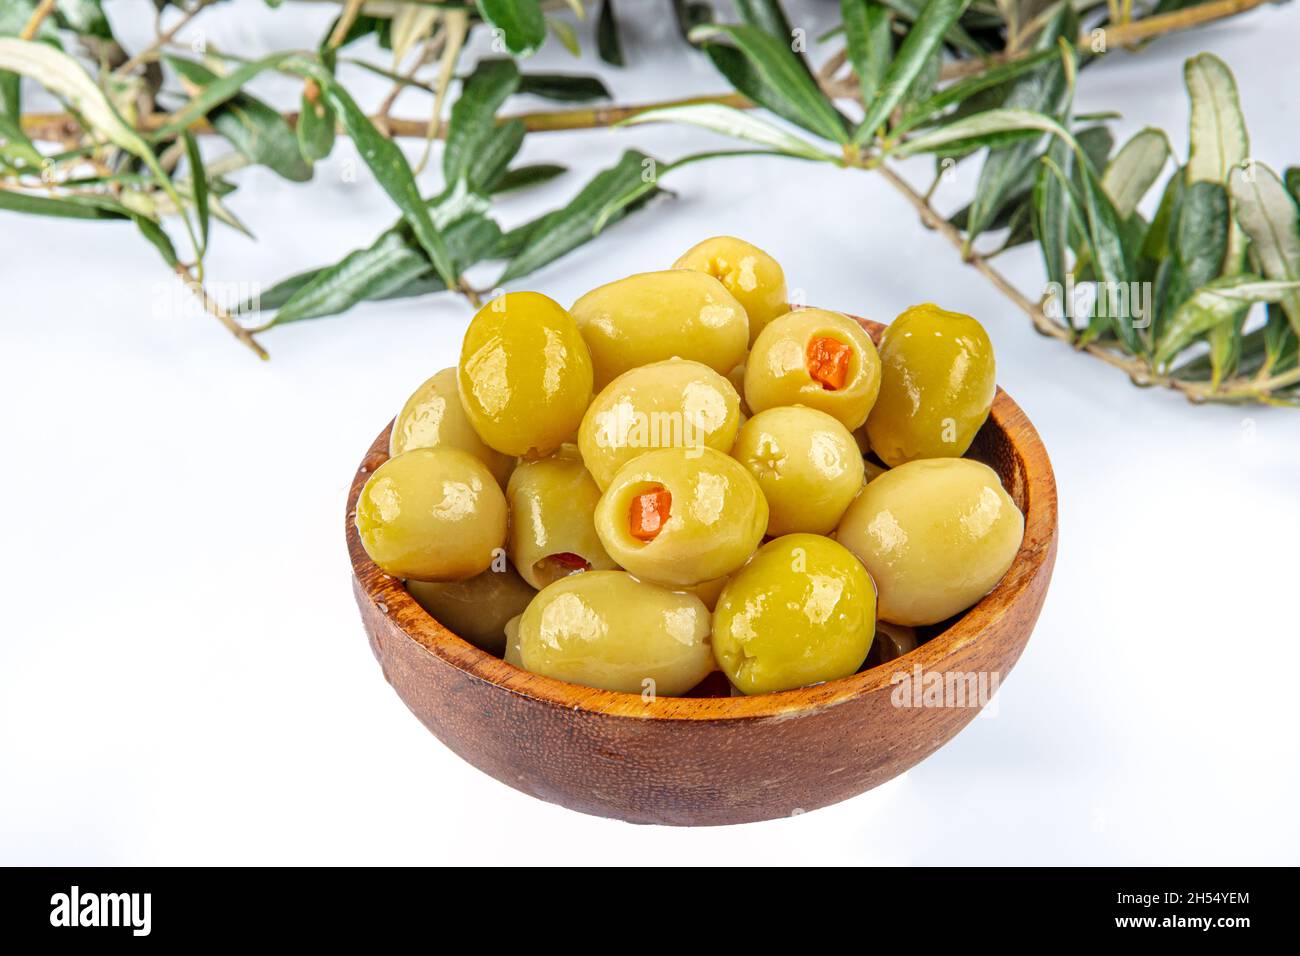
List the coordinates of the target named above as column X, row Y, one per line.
column 1007, row 443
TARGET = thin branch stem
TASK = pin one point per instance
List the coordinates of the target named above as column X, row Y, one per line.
column 215, row 308
column 162, row 39
column 1138, row 370
column 43, row 10
column 344, row 24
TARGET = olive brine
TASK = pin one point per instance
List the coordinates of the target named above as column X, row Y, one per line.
column 681, row 474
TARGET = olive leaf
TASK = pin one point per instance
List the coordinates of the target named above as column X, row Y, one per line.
column 524, row 177
column 316, row 124
column 1135, row 169
column 477, row 149
column 608, row 44
column 1222, row 300
column 567, row 228
column 252, row 127
column 199, row 188
column 1266, row 212
column 563, row 87
column 786, row 86
column 215, row 91
column 388, row 165
column 519, row 23
column 64, row 207
column 929, row 109
column 735, row 123
column 869, row 43
column 921, row 42
column 1217, row 129
column 1046, row 89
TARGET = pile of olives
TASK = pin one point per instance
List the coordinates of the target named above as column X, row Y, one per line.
column 681, row 474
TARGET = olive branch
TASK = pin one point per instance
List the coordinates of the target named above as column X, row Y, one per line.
column 958, row 80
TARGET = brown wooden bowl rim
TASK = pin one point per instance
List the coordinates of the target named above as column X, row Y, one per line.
column 390, row 596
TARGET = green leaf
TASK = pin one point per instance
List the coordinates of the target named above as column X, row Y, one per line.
column 973, row 128
column 1218, row 130
column 1223, row 300
column 389, row 166
column 1046, row 89
column 473, row 126
column 565, row 33
column 1267, row 213
column 1134, row 170
column 525, row 177
column 216, row 91
column 564, row 87
column 565, row 229
column 921, row 42
column 65, row 78
column 316, row 123
column 735, row 123
column 767, row 16
column 16, row 145
column 786, row 87
column 388, row 268
column 518, row 23
column 1292, row 177
column 1051, row 202
column 64, row 207
column 869, row 43
column 608, row 44
column 963, row 90
column 157, row 238
column 257, row 131
column 199, row 178
column 956, row 36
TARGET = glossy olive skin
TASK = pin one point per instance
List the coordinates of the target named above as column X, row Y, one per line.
column 802, row 611
column 776, row 372
column 511, row 655
column 936, row 534
column 432, row 514
column 717, row 518
column 552, row 509
column 476, row 609
column 750, row 274
column 607, row 629
column 937, row 385
column 525, row 374
column 807, row 464
column 675, row 403
column 434, row 416
column 661, row 315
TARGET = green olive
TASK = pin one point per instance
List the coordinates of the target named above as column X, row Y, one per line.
column 432, row 514
column 936, row 534
column 525, row 374
column 675, row 403
column 433, row 416
column 607, row 629
column 802, row 611
column 661, row 315
column 816, row 358
column 552, row 506
column 937, row 385
column 807, row 464
column 680, row 516
column 512, row 653
column 750, row 274
column 476, row 609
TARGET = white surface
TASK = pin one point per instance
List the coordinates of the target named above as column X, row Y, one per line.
column 183, row 675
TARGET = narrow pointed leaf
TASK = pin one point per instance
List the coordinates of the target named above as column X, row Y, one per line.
column 963, row 90
column 1134, row 170
column 216, row 92
column 608, row 44
column 199, row 188
column 925, row 37
column 735, row 123
column 565, row 229
column 786, row 80
column 1267, row 213
column 1218, row 130
column 869, row 43
column 519, row 23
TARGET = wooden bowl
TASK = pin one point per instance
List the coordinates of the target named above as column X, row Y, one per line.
column 711, row 760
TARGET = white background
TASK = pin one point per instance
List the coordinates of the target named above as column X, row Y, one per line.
column 183, row 674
